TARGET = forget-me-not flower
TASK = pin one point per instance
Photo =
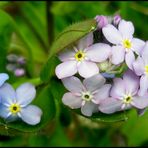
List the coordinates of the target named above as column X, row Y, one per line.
column 83, row 58
column 15, row 104
column 86, row 95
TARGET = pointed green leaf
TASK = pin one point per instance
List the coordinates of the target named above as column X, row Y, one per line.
column 71, row 34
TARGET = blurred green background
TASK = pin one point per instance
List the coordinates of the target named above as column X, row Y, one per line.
column 39, row 23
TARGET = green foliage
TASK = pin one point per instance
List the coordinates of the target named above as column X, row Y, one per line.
column 100, row 117
column 138, row 129
column 6, row 30
column 49, row 69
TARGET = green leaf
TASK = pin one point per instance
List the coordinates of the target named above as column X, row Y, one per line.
column 6, row 29
column 39, row 23
column 135, row 129
column 37, row 140
column 101, row 117
column 59, row 137
column 71, row 34
column 7, row 141
column 49, row 69
column 45, row 101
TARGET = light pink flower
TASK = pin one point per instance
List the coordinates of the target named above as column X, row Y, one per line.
column 124, row 44
column 83, row 58
column 124, row 95
column 116, row 19
column 102, row 21
column 86, row 95
column 141, row 69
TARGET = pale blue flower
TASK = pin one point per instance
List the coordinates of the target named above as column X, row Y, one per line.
column 3, row 78
column 15, row 104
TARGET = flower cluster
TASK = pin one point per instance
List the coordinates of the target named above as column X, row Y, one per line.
column 15, row 104
column 16, row 65
column 98, row 88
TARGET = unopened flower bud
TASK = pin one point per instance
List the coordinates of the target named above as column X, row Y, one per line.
column 11, row 67
column 19, row 72
column 116, row 19
column 103, row 66
column 21, row 60
column 12, row 58
column 101, row 20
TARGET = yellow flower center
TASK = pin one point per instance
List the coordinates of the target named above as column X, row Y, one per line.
column 127, row 99
column 127, row 44
column 80, row 55
column 14, row 108
column 146, row 69
column 87, row 96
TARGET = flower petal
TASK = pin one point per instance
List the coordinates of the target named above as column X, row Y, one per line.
column 138, row 66
column 102, row 93
column 112, row 34
column 144, row 53
column 85, row 41
column 72, row 101
column 73, row 84
column 66, row 69
column 25, row 94
column 7, row 94
column 126, row 28
column 87, row 69
column 110, row 105
column 131, row 82
column 89, row 108
column 118, row 88
column 3, row 78
column 141, row 102
column 31, row 114
column 66, row 55
column 143, row 85
column 12, row 118
column 118, row 53
column 108, row 75
column 141, row 112
column 130, row 58
column 99, row 52
column 137, row 45
column 93, row 83
column 4, row 111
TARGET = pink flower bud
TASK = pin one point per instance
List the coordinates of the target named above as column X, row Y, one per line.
column 19, row 72
column 21, row 60
column 101, row 20
column 116, row 19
